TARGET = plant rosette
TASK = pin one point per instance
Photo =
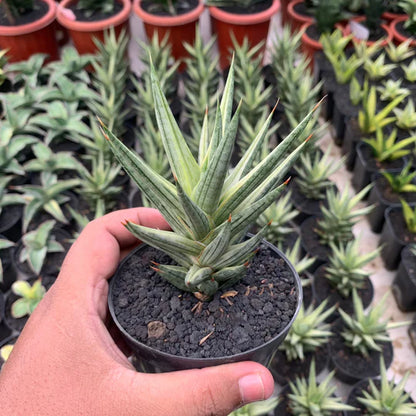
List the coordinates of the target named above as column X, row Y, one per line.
column 399, row 32
column 284, row 370
column 179, row 28
column 352, row 367
column 228, row 21
column 298, row 15
column 394, row 237
column 384, row 35
column 182, row 333
column 83, row 30
column 27, row 38
column 366, row 165
column 382, row 197
column 322, row 289
column 404, row 283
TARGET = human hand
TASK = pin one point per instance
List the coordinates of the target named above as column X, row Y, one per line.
column 66, row 363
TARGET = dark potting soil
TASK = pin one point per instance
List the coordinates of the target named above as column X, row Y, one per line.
column 181, row 7
column 39, row 10
column 373, row 164
column 399, row 226
column 354, row 364
column 384, row 189
column 284, row 370
column 324, row 290
column 300, row 8
column 343, row 102
column 357, row 391
column 265, row 302
column 313, row 32
column 310, row 239
column 252, row 9
column 283, row 409
column 96, row 16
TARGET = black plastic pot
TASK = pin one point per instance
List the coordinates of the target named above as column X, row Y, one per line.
column 5, row 331
column 151, row 360
column 404, row 284
column 412, row 333
column 352, row 137
column 391, row 240
column 350, row 367
column 328, row 88
column 9, row 271
column 11, row 222
column 365, row 166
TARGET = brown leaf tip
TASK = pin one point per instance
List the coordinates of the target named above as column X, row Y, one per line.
column 287, row 180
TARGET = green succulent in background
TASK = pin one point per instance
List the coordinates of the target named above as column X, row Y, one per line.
column 409, row 8
column 313, row 173
column 345, row 270
column 31, row 71
column 71, row 65
column 5, row 352
column 48, row 197
column 90, row 7
column 208, row 208
column 61, row 121
column 278, row 219
column 26, row 98
column 369, row 118
column 308, row 332
column 327, row 14
column 393, row 6
column 10, row 148
column 285, row 48
column 365, row 331
column 37, row 244
column 307, row 397
column 406, row 117
column 367, row 52
column 358, row 92
column 201, row 85
column 30, row 297
column 373, row 11
column 160, row 54
column 49, row 163
column 3, row 61
column 388, row 148
column 403, row 181
column 301, row 264
column 249, row 88
column 410, row 71
column 391, row 89
column 257, row 408
column 67, row 90
column 97, row 184
column 334, row 43
column 15, row 8
column 400, row 52
column 111, row 71
column 377, row 69
column 388, row 398
column 4, row 244
column 409, row 214
column 340, row 216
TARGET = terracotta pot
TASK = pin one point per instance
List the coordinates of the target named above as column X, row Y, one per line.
column 36, row 37
column 297, row 20
column 283, row 8
column 180, row 29
column 397, row 36
column 310, row 46
column 83, row 33
column 253, row 26
column 389, row 17
column 361, row 19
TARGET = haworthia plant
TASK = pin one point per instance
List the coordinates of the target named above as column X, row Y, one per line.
column 208, row 208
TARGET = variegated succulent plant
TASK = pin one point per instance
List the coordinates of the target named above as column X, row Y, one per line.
column 208, row 208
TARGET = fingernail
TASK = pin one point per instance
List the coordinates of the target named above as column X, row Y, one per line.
column 251, row 388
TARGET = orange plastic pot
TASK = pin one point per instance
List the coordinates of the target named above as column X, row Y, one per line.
column 297, row 20
column 397, row 36
column 389, row 17
column 360, row 19
column 179, row 29
column 23, row 41
column 83, row 33
column 254, row 27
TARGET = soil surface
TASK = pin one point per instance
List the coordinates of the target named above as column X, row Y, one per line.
column 97, row 16
column 384, row 189
column 373, row 164
column 400, row 228
column 310, row 240
column 301, row 9
column 181, row 7
column 264, row 304
column 252, row 9
column 40, row 9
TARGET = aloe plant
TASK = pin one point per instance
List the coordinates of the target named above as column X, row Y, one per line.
column 410, row 71
column 208, row 208
column 37, row 244
column 89, row 7
column 406, row 117
column 400, row 52
column 257, row 408
column 358, row 92
column 409, row 8
column 403, row 181
column 391, row 89
column 30, row 297
column 409, row 215
column 377, row 69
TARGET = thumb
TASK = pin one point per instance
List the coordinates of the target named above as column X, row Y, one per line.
column 210, row 391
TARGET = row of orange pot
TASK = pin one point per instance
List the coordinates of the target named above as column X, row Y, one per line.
column 40, row 36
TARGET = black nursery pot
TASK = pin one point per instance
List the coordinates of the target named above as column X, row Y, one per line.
column 352, row 137
column 9, row 271
column 5, row 331
column 149, row 359
column 394, row 237
column 350, row 367
column 365, row 166
column 11, row 222
column 404, row 284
